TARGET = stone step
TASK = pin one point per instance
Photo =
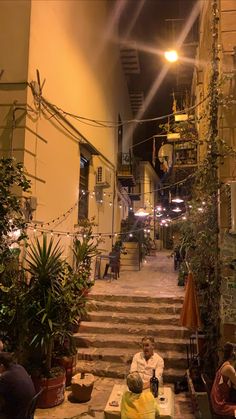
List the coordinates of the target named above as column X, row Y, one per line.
column 133, row 307
column 100, row 340
column 169, row 331
column 120, row 370
column 172, row 359
column 118, row 317
column 136, row 298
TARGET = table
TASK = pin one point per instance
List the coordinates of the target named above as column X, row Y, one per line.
column 166, row 408
column 99, row 259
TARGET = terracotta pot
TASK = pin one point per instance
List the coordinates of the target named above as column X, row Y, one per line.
column 54, row 389
column 69, row 365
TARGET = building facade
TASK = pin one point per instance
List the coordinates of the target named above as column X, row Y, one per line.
column 60, row 64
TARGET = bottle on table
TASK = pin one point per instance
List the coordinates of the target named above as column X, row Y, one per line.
column 154, row 384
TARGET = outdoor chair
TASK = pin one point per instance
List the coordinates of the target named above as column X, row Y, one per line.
column 32, row 405
column 208, row 385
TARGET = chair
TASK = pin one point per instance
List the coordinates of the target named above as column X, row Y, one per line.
column 208, row 386
column 32, row 405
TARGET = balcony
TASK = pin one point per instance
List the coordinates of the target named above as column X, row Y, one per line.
column 185, row 154
column 126, row 170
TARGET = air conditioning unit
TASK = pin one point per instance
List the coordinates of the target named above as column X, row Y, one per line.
column 103, row 177
column 233, row 207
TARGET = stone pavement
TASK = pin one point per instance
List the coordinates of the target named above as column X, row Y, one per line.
column 156, row 279
column 95, row 407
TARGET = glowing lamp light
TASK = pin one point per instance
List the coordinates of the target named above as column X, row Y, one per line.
column 171, row 56
column 177, row 209
column 141, row 212
column 177, row 199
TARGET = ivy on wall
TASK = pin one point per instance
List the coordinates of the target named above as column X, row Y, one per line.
column 200, row 234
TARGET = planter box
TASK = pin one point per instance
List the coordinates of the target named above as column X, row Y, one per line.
column 199, row 401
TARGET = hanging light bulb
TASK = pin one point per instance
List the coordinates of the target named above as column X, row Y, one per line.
column 141, row 212
column 177, row 197
column 177, row 209
column 177, row 200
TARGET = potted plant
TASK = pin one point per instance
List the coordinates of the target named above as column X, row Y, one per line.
column 65, row 351
column 47, row 316
column 84, row 250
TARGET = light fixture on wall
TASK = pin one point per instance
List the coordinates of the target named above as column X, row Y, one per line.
column 141, row 212
column 171, row 56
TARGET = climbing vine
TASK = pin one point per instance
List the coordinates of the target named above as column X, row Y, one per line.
column 200, row 237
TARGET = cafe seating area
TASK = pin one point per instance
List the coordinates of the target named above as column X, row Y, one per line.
column 165, row 402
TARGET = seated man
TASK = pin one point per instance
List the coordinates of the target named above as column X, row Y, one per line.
column 16, row 388
column 146, row 361
column 135, row 403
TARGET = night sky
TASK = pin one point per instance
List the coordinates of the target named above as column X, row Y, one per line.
column 152, row 28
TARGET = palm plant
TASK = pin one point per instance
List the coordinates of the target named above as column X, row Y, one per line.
column 46, row 298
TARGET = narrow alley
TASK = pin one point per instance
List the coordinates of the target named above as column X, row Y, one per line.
column 120, row 313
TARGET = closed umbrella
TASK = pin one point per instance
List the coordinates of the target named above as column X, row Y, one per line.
column 190, row 316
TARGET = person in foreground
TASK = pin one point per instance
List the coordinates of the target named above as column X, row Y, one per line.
column 136, row 403
column 146, row 361
column 16, row 388
column 225, row 381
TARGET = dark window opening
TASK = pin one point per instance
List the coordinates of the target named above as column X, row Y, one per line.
column 83, row 188
column 120, row 135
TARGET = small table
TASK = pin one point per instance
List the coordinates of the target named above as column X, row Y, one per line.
column 166, row 408
column 99, row 258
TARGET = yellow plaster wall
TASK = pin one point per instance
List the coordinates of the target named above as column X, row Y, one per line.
column 73, row 45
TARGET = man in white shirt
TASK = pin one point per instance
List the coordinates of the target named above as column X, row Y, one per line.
column 146, row 361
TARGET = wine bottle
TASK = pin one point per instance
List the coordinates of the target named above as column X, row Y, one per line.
column 154, row 383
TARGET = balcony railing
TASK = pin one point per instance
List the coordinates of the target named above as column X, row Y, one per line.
column 126, row 169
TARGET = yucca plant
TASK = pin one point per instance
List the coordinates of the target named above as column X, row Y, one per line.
column 46, row 298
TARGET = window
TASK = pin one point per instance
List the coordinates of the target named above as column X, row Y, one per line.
column 83, row 188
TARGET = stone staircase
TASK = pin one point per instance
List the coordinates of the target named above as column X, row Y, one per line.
column 112, row 331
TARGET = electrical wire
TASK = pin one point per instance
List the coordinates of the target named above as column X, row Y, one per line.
column 110, row 124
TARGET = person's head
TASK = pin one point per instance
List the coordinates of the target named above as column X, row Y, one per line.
column 229, row 352
column 134, row 382
column 148, row 346
column 5, row 361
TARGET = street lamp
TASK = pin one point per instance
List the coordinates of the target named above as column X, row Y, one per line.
column 171, row 56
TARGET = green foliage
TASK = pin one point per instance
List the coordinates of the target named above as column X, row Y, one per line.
column 52, row 301
column 200, row 244
column 12, row 224
column 201, row 231
column 84, row 250
column 12, row 282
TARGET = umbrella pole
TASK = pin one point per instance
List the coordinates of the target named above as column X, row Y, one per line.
column 197, row 344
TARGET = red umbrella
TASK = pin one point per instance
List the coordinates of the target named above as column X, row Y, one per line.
column 190, row 316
